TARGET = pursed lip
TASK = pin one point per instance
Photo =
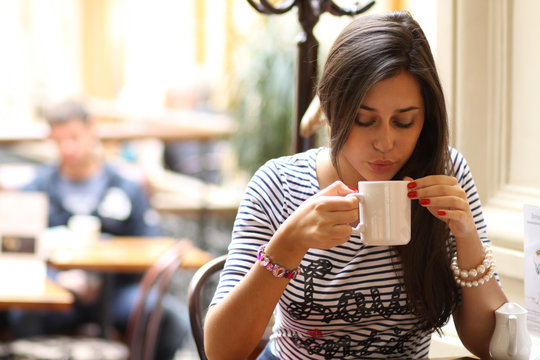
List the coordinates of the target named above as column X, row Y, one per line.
column 381, row 165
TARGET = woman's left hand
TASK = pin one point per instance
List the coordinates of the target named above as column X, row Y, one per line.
column 446, row 200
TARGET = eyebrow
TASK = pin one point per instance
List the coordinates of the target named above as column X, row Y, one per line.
column 410, row 108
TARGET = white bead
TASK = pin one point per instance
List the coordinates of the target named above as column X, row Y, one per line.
column 473, row 273
column 475, row 283
column 481, row 269
column 464, row 274
column 481, row 281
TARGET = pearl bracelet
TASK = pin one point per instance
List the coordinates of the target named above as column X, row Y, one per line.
column 277, row 270
column 477, row 282
column 479, row 275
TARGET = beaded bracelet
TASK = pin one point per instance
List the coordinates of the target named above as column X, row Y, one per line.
column 485, row 270
column 276, row 270
column 477, row 282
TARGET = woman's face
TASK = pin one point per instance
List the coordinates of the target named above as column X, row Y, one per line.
column 385, row 131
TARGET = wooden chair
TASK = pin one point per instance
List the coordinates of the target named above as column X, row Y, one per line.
column 195, row 289
column 143, row 328
column 197, row 311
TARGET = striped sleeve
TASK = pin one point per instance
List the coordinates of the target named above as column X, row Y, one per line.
column 261, row 211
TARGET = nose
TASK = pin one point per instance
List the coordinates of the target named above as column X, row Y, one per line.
column 66, row 147
column 385, row 139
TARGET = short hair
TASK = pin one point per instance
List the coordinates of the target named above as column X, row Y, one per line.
column 65, row 111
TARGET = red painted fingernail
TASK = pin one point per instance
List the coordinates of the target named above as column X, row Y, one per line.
column 412, row 194
column 353, row 189
column 424, row 201
column 441, row 213
column 411, row 185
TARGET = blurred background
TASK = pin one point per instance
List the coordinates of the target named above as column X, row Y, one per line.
column 137, row 58
column 206, row 63
column 137, row 61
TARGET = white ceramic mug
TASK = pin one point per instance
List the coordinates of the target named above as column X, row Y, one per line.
column 85, row 228
column 384, row 212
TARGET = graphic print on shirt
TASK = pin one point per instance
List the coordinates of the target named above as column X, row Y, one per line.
column 352, row 306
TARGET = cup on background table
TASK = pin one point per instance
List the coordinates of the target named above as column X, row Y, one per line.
column 384, row 212
column 85, row 228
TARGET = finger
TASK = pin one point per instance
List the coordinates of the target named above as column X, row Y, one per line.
column 447, row 202
column 335, row 207
column 435, row 190
column 337, row 188
column 454, row 216
column 341, row 232
column 434, row 180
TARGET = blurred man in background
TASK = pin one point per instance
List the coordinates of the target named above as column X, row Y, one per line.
column 82, row 183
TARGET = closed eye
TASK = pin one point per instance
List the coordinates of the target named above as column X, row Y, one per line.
column 403, row 123
column 365, row 119
column 365, row 123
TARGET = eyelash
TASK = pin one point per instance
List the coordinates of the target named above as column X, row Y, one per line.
column 397, row 123
column 364, row 124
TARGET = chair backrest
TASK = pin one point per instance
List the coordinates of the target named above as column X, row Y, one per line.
column 196, row 310
column 143, row 327
column 196, row 286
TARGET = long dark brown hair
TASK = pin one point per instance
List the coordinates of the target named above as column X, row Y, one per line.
column 368, row 50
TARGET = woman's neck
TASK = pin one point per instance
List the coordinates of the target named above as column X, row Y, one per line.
column 327, row 173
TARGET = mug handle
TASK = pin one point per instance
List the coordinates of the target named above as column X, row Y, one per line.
column 512, row 343
column 360, row 227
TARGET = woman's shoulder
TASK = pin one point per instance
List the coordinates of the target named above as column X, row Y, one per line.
column 289, row 173
column 458, row 164
column 296, row 164
column 454, row 153
column 298, row 159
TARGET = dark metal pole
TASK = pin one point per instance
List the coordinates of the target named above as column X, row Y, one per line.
column 306, row 73
column 309, row 12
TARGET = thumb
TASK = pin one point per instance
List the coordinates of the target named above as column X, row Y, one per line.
column 408, row 178
column 337, row 188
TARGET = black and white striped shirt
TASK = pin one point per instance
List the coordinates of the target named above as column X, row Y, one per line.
column 348, row 303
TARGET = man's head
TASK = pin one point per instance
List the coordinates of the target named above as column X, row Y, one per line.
column 72, row 129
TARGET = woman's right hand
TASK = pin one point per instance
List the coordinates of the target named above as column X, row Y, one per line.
column 321, row 222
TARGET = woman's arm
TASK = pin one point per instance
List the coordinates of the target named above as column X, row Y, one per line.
column 234, row 326
column 475, row 317
column 446, row 200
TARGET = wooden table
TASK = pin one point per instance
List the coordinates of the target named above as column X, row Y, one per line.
column 53, row 297
column 123, row 254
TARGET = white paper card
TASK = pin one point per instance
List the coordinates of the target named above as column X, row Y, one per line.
column 23, row 217
column 22, row 276
column 532, row 267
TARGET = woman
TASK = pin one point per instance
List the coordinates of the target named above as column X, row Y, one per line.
column 382, row 97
